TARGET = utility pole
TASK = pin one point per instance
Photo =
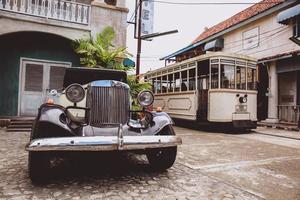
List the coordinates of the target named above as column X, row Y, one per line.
column 139, row 39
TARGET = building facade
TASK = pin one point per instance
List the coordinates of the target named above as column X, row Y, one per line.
column 36, row 45
column 268, row 31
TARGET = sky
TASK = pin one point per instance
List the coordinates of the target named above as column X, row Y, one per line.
column 189, row 20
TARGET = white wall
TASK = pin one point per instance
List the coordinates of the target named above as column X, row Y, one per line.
column 273, row 38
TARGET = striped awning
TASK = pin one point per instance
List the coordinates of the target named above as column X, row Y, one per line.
column 284, row 16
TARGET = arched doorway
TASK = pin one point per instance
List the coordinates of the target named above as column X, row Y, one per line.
column 30, row 64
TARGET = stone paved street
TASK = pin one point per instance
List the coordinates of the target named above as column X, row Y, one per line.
column 209, row 166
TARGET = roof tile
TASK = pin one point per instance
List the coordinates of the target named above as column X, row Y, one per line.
column 238, row 18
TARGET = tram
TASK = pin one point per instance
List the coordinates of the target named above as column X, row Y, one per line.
column 212, row 88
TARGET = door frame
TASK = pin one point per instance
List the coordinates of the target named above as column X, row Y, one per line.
column 23, row 59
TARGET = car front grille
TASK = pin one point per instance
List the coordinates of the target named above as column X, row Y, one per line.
column 108, row 105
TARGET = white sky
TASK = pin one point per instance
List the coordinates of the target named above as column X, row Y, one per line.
column 190, row 20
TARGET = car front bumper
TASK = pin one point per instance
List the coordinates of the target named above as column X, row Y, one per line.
column 103, row 143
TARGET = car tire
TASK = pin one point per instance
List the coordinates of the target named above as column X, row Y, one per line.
column 38, row 167
column 162, row 159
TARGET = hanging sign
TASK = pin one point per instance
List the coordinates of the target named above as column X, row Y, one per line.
column 147, row 17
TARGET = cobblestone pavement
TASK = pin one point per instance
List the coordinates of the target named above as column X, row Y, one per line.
column 209, row 166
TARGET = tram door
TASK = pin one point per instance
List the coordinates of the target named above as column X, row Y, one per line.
column 203, row 86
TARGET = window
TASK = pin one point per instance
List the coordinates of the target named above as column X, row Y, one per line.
column 251, row 38
column 192, row 82
column 241, row 78
column 171, row 83
column 177, row 81
column 184, row 81
column 158, row 85
column 164, row 84
column 227, row 76
column 214, row 70
column 154, row 86
column 251, row 79
column 296, row 27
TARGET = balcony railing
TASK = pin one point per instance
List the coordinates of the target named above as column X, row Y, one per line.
column 289, row 114
column 54, row 9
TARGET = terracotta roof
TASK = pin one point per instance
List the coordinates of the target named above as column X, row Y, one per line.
column 278, row 56
column 238, row 18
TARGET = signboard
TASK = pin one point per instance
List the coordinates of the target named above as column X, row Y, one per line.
column 147, row 17
column 251, row 38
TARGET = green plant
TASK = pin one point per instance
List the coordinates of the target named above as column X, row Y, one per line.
column 100, row 51
column 135, row 88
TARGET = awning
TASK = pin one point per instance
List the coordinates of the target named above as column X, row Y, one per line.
column 284, row 16
column 128, row 62
column 215, row 44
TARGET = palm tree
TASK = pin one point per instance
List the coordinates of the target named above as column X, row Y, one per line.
column 100, row 51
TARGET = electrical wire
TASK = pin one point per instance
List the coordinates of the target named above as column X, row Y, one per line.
column 265, row 39
column 211, row 3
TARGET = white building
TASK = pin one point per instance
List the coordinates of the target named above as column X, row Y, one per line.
column 270, row 32
column 35, row 45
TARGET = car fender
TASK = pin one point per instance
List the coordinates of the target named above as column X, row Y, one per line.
column 48, row 123
column 161, row 120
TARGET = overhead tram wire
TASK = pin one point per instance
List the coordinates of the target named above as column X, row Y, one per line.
column 196, row 3
column 210, row 3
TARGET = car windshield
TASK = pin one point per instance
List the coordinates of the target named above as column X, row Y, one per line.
column 85, row 75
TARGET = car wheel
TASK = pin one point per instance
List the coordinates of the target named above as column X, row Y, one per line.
column 39, row 167
column 162, row 158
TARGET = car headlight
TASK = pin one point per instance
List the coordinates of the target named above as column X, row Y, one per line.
column 145, row 98
column 75, row 93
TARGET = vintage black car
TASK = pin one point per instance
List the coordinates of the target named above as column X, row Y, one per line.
column 93, row 113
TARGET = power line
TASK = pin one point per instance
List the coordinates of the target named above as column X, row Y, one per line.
column 210, row 3
column 267, row 38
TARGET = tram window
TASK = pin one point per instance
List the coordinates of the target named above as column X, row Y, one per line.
column 164, row 84
column 184, row 81
column 150, row 81
column 171, row 83
column 214, row 69
column 240, row 78
column 227, row 76
column 192, row 82
column 177, row 81
column 154, row 85
column 158, row 85
column 251, row 79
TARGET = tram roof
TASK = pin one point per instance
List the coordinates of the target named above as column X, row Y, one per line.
column 205, row 57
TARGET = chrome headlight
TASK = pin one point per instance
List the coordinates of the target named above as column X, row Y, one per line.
column 145, row 98
column 75, row 93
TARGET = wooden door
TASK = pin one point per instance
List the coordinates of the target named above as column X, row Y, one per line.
column 37, row 79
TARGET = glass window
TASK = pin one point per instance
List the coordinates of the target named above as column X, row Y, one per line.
column 214, row 69
column 154, row 86
column 164, row 84
column 251, row 79
column 158, row 85
column 177, row 81
column 171, row 83
column 184, row 81
column 227, row 76
column 240, row 78
column 192, row 81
